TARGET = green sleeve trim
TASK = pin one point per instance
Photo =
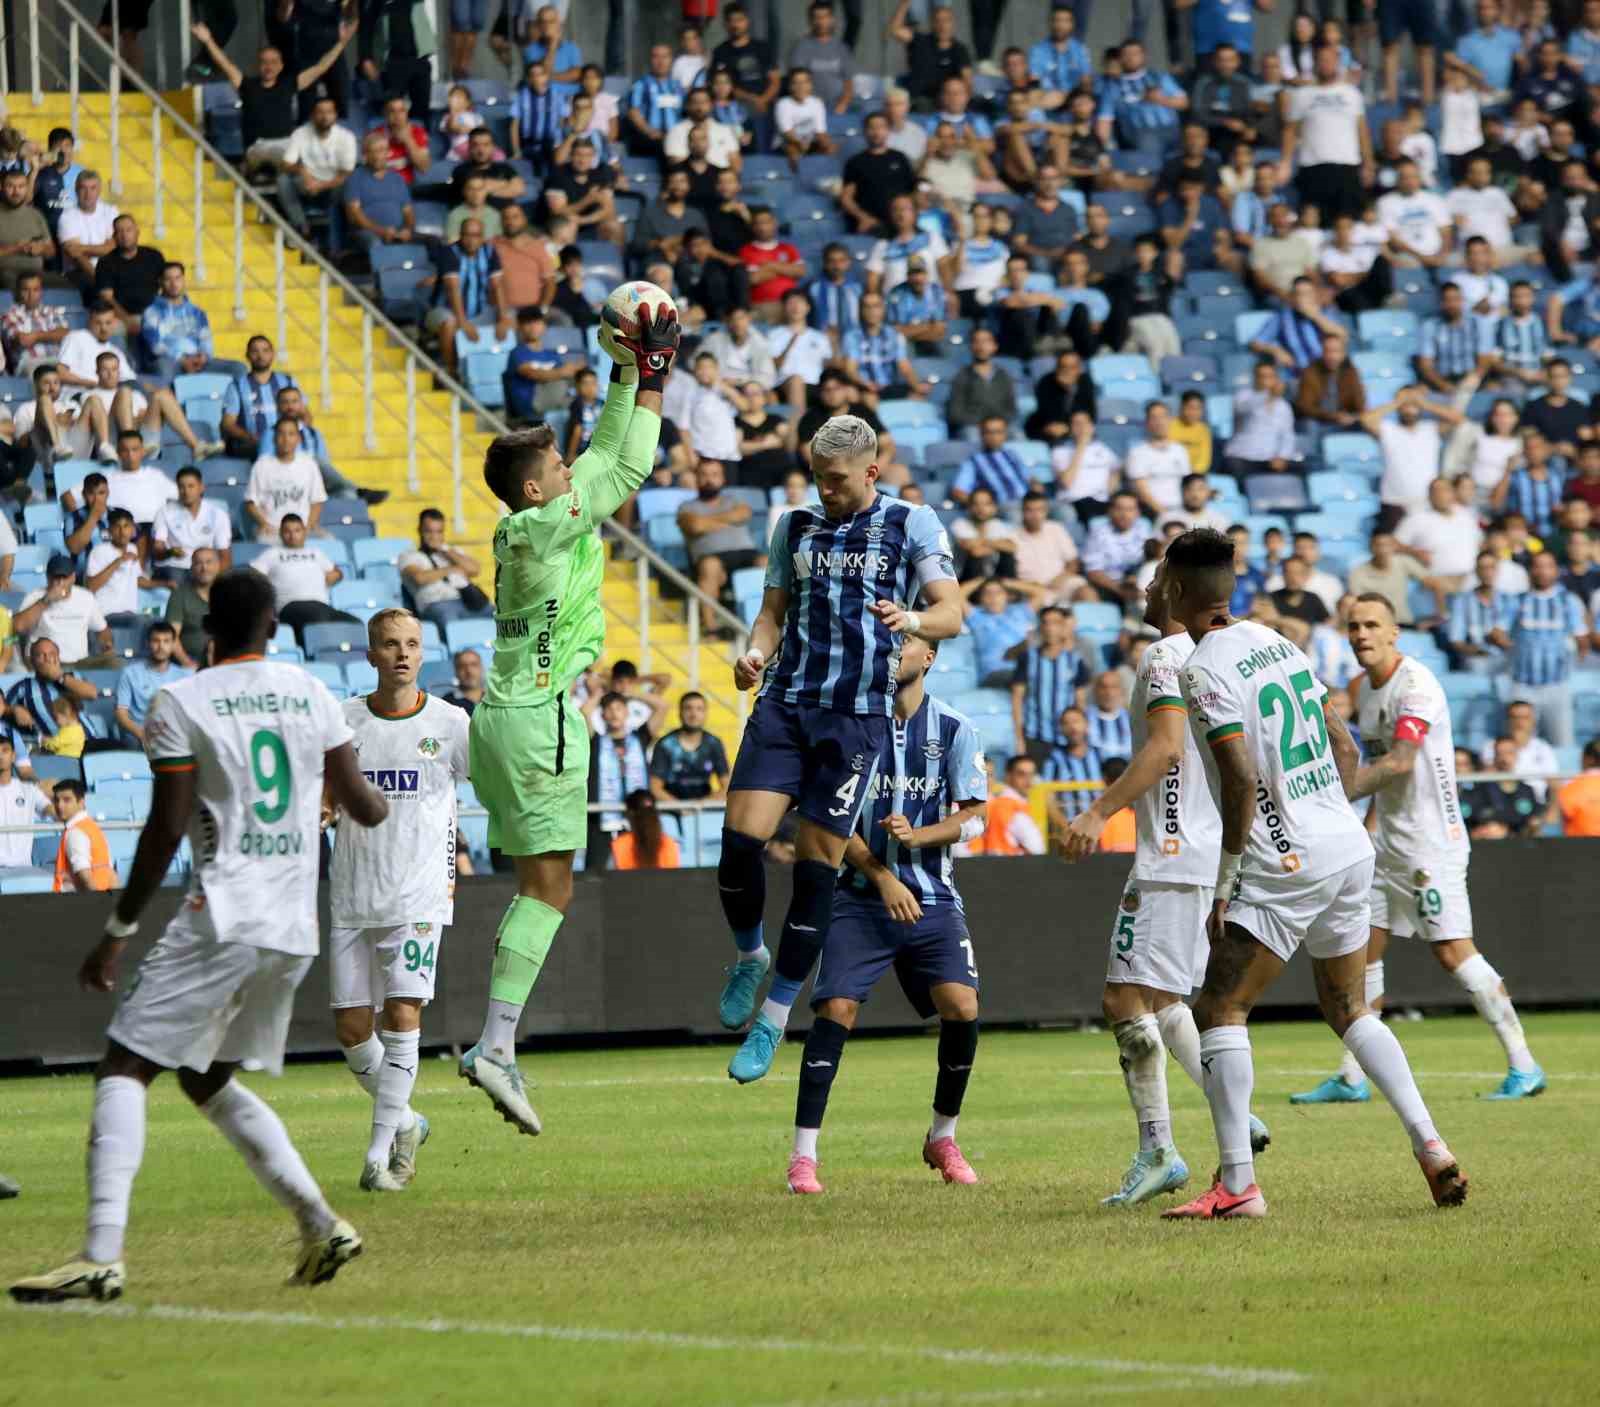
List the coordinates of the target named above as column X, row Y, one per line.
column 1166, row 701
column 1224, row 731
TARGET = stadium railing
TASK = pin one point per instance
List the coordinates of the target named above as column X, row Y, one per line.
column 79, row 38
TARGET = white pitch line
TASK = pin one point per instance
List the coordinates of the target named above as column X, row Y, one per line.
column 696, row 1343
column 933, row 1397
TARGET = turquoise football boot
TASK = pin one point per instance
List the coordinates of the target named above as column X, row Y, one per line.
column 1334, row 1090
column 1149, row 1175
column 737, row 1004
column 1519, row 1084
column 1260, row 1136
column 754, row 1058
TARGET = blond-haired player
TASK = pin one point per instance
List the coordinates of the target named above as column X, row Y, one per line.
column 393, row 889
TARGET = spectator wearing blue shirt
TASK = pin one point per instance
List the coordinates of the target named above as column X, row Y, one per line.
column 467, row 286
column 836, row 296
column 250, row 404
column 1139, row 108
column 377, row 200
column 537, row 113
column 992, row 467
column 1061, row 62
column 1534, row 490
column 1451, row 348
column 584, row 412
column 876, row 355
column 532, row 367
column 1247, row 216
column 1249, row 581
column 1293, row 338
column 1044, row 227
column 1194, row 223
column 1583, row 44
column 654, row 102
column 1218, row 22
column 917, row 308
column 1490, row 51
column 1473, row 618
column 139, row 679
column 561, row 56
column 1000, row 627
column 1545, row 629
column 972, row 129
column 1074, row 760
column 175, row 333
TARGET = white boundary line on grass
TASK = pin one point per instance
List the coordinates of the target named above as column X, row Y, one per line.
column 933, row 1397
column 656, row 1338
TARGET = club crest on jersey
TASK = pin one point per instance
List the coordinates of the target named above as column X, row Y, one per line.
column 1291, row 863
column 1170, row 846
column 1420, row 878
column 1130, row 901
column 429, row 747
column 422, row 929
column 875, row 532
column 576, row 510
column 858, row 763
column 933, row 749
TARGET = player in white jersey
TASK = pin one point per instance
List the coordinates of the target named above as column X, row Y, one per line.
column 1295, row 868
column 1158, row 945
column 1423, row 848
column 393, row 890
column 239, row 753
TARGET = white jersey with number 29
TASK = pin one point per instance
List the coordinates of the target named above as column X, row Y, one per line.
column 1247, row 681
column 402, row 870
column 254, row 732
column 1178, row 832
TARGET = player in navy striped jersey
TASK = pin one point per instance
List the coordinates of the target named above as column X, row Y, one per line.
column 898, row 907
column 832, row 627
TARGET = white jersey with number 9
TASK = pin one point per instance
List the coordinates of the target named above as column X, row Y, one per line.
column 254, row 732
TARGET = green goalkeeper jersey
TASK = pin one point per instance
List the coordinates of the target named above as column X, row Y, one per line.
column 549, row 562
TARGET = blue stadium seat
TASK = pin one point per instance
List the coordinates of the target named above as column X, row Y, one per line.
column 30, row 881
column 1117, row 410
column 1386, row 329
column 1260, row 524
column 936, row 370
column 946, row 452
column 1098, row 616
column 664, row 534
column 1107, row 371
column 1247, row 326
column 485, row 377
column 1185, row 372
column 359, row 595
column 133, row 793
column 124, row 766
column 957, row 663
column 41, row 517
column 1283, row 493
column 475, row 632
column 763, row 174
column 401, row 293
column 376, row 551
column 1351, row 451
column 501, row 347
column 1219, row 310
column 1214, row 283
column 1332, row 486
column 334, row 637
column 655, row 503
column 907, row 414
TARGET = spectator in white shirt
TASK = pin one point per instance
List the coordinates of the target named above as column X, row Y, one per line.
column 127, row 406
column 1194, row 508
column 906, row 136
column 1087, row 470
column 1114, row 550
column 799, row 352
column 1412, row 450
column 300, row 578
column 192, row 522
column 986, row 541
column 1479, row 207
column 722, row 141
column 135, row 486
column 1158, row 464
column 440, row 576
column 61, row 429
column 81, row 350
column 64, row 613
column 741, row 352
column 712, row 433
column 1044, row 551
column 285, row 481
column 320, row 157
column 801, row 120
column 1419, row 224
column 1319, row 583
column 1535, row 756
column 1263, row 427
column 1444, row 537
column 115, row 571
column 84, row 232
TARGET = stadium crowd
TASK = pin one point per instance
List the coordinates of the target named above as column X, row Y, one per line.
column 1086, row 303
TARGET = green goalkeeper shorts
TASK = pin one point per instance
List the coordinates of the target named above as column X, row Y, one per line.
column 530, row 768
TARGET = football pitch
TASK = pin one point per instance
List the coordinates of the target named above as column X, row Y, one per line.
column 645, row 1251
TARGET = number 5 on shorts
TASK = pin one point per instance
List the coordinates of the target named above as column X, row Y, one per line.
column 1125, row 933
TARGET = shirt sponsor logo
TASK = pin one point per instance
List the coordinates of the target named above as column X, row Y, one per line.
column 402, row 783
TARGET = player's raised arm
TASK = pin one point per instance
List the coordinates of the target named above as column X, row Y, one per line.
column 623, row 449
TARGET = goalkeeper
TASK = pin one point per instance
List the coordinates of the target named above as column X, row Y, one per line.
column 529, row 744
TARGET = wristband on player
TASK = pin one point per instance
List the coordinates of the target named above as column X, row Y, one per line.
column 913, row 625
column 116, row 928
column 1228, row 867
column 971, row 828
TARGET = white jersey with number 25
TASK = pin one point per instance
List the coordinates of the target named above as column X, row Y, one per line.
column 254, row 732
column 1247, row 681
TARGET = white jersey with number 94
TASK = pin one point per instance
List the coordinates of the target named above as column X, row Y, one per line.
column 1247, row 681
column 254, row 732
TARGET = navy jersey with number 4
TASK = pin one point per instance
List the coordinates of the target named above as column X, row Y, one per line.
column 835, row 653
column 929, row 763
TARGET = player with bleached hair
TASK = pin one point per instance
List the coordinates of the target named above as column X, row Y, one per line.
column 239, row 752
column 392, row 890
column 826, row 643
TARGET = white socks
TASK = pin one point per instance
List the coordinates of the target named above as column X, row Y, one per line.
column 1144, row 1072
column 1182, row 1037
column 943, row 1126
column 777, row 1013
column 1488, row 994
column 1380, row 1055
column 805, row 1143
column 116, row 1148
column 1230, row 1078
column 1350, row 1070
column 499, row 1038
column 364, row 1060
column 397, row 1076
column 263, row 1142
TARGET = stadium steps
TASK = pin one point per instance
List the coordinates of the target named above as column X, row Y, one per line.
column 384, row 463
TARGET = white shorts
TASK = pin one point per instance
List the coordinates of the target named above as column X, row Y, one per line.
column 367, row 966
column 1429, row 902
column 1331, row 915
column 1160, row 936
column 194, row 1002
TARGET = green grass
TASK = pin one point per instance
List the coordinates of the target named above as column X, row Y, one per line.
column 644, row 1250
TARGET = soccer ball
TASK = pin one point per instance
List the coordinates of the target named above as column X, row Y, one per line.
column 629, row 302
